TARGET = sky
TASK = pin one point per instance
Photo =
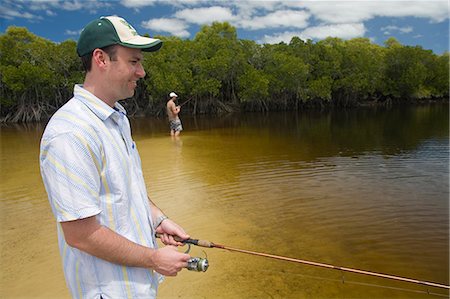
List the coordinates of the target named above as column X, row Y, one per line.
column 422, row 23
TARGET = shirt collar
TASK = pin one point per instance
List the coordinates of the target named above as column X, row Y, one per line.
column 97, row 106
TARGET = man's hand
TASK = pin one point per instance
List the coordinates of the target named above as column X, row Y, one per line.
column 168, row 229
column 168, row 261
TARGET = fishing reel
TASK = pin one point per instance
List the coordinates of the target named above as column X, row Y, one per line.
column 198, row 264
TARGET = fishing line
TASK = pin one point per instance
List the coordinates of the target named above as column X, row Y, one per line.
column 353, row 282
column 208, row 244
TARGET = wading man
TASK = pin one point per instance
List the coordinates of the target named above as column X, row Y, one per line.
column 172, row 113
column 92, row 173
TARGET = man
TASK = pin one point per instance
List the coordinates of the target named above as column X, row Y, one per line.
column 172, row 113
column 92, row 173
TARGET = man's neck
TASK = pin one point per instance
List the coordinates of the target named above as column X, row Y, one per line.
column 96, row 89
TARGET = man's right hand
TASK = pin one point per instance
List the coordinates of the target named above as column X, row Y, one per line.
column 169, row 261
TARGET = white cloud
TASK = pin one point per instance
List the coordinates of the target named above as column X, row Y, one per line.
column 73, row 32
column 137, row 3
column 175, row 3
column 50, row 13
column 436, row 11
column 279, row 37
column 282, row 18
column 344, row 31
column 11, row 14
column 389, row 29
column 205, row 15
column 358, row 11
column 74, row 5
column 186, row 3
column 247, row 9
column 173, row 26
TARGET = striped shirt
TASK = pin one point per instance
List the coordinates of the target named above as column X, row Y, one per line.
column 91, row 167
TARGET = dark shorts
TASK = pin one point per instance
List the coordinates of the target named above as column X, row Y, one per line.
column 175, row 125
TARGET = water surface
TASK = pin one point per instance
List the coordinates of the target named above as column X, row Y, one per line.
column 366, row 189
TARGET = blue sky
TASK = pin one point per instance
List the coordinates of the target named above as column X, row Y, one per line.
column 424, row 23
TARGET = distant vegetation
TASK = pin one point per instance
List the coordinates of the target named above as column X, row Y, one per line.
column 220, row 73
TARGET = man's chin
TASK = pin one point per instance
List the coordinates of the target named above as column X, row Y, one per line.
column 129, row 96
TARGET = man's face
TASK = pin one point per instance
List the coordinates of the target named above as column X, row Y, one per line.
column 124, row 72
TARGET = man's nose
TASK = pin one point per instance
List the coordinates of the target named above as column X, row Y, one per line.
column 140, row 71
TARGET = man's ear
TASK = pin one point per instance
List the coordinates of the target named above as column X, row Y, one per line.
column 99, row 58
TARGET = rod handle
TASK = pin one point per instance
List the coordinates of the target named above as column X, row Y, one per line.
column 201, row 243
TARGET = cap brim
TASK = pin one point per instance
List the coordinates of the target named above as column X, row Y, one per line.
column 144, row 43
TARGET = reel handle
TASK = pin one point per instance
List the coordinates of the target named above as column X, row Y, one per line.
column 201, row 243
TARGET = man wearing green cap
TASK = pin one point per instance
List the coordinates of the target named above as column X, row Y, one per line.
column 92, row 173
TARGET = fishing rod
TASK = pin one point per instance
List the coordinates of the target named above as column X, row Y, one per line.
column 185, row 101
column 208, row 244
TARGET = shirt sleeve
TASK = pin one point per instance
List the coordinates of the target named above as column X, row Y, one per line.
column 70, row 167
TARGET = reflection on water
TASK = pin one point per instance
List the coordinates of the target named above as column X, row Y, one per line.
column 366, row 189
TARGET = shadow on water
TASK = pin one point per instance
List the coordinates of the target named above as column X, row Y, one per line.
column 336, row 132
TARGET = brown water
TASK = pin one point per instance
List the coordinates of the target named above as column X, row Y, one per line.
column 366, row 189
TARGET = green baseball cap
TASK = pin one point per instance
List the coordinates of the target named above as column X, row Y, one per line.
column 113, row 30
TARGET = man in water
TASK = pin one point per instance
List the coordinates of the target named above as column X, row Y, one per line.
column 92, row 173
column 172, row 114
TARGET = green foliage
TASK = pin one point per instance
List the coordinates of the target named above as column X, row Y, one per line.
column 361, row 68
column 406, row 71
column 325, row 60
column 287, row 73
column 253, row 85
column 218, row 60
column 37, row 75
column 320, row 88
column 436, row 82
column 15, row 46
column 222, row 73
column 168, row 70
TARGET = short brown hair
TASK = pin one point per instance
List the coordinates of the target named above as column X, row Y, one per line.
column 86, row 60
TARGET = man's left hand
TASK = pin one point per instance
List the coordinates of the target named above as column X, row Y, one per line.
column 168, row 230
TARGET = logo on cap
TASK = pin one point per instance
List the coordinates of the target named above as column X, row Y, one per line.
column 133, row 31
